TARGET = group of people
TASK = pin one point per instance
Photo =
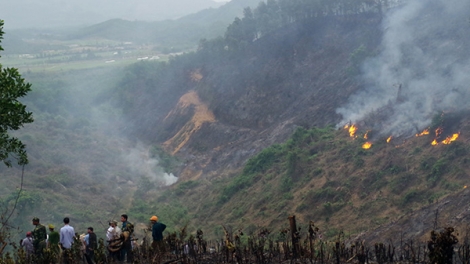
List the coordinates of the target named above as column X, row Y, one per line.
column 36, row 241
column 119, row 239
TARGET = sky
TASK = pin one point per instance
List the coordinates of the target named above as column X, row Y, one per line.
column 56, row 13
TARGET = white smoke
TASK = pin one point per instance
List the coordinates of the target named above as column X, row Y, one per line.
column 140, row 163
column 425, row 51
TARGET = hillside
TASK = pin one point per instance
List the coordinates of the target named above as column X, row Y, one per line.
column 164, row 35
column 308, row 73
column 252, row 124
column 186, row 30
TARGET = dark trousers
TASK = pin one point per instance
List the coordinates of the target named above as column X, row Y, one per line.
column 90, row 256
column 127, row 250
column 66, row 255
column 158, row 246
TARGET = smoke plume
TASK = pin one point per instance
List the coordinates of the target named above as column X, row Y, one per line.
column 421, row 70
column 141, row 164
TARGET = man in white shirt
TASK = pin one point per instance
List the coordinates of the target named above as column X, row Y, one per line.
column 67, row 233
column 27, row 243
column 114, row 231
column 112, row 235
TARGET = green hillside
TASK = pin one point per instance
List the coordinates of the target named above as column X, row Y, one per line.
column 281, row 67
column 251, row 123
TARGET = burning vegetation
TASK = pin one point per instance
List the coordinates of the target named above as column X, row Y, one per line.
column 353, row 129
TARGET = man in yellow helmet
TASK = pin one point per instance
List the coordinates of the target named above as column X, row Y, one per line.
column 157, row 234
column 54, row 238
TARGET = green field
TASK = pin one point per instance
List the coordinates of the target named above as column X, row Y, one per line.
column 82, row 56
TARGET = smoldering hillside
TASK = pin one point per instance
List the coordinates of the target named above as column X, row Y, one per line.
column 215, row 109
column 393, row 73
column 421, row 69
column 82, row 164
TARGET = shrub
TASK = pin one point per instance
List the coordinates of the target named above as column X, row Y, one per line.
column 411, row 196
column 439, row 167
column 286, row 183
column 426, row 163
column 399, row 184
column 238, row 183
column 302, row 207
column 262, row 161
column 185, row 186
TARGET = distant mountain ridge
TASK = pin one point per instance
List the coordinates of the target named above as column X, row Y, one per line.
column 52, row 13
column 208, row 23
column 184, row 31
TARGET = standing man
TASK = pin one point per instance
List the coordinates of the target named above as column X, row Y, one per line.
column 27, row 244
column 53, row 241
column 157, row 234
column 39, row 237
column 113, row 236
column 127, row 231
column 90, row 246
column 67, row 234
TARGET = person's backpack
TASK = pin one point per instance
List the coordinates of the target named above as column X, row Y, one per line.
column 130, row 228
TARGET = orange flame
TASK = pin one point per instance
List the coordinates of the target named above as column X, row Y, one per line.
column 367, row 145
column 425, row 132
column 389, row 139
column 434, row 142
column 465, row 187
column 366, row 135
column 450, row 139
column 438, row 131
column 352, row 130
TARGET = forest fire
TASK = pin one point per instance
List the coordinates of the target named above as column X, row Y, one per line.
column 447, row 140
column 367, row 145
column 450, row 139
column 352, row 130
column 425, row 132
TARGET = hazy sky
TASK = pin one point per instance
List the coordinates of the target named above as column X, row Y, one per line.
column 54, row 13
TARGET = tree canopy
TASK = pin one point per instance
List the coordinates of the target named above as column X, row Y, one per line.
column 13, row 113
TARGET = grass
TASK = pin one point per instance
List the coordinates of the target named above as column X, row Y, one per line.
column 336, row 175
column 340, row 180
column 75, row 56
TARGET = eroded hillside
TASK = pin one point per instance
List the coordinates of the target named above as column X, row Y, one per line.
column 265, row 137
column 260, row 96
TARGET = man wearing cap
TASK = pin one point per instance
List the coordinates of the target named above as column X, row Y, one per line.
column 113, row 233
column 157, row 234
column 39, row 237
column 27, row 244
column 53, row 241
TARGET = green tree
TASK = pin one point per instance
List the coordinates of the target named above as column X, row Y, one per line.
column 13, row 113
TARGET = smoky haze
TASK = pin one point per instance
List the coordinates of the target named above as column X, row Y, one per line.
column 84, row 135
column 421, row 70
column 55, row 13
